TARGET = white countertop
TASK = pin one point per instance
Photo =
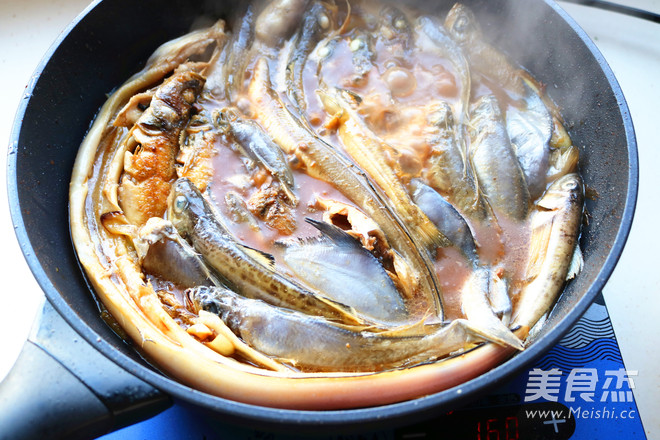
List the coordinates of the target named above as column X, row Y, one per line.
column 632, row 48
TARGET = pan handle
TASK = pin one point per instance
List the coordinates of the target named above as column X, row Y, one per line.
column 62, row 387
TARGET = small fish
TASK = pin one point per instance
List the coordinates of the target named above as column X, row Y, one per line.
column 484, row 58
column 238, row 48
column 371, row 154
column 323, row 162
column 149, row 165
column 249, row 271
column 480, row 314
column 448, row 220
column 446, row 169
column 315, row 23
column 345, row 271
column 494, row 161
column 260, row 147
column 442, row 43
column 555, row 226
column 363, row 55
column 530, row 128
column 314, row 343
column 323, row 52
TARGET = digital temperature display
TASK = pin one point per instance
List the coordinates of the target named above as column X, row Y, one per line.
column 497, row 429
column 542, row 421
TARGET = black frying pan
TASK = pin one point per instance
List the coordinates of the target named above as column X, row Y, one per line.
column 108, row 43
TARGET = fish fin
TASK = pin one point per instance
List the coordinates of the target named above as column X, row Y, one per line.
column 432, row 234
column 295, row 243
column 506, row 337
column 334, row 233
column 262, row 257
column 577, row 262
column 348, row 314
column 419, row 327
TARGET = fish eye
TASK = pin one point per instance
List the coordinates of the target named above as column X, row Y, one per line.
column 180, row 203
column 324, row 21
column 462, row 24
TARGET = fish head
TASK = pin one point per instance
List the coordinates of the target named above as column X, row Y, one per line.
column 223, row 118
column 185, row 206
column 393, row 23
column 172, row 101
column 461, row 24
column 213, row 299
column 441, row 115
column 567, row 189
column 483, row 112
column 330, row 101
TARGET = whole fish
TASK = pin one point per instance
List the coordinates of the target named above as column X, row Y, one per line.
column 247, row 270
column 446, row 166
column 371, row 154
column 443, row 44
column 448, row 220
column 345, row 271
column 149, row 163
column 315, row 23
column 314, row 343
column 236, row 60
column 323, row 162
column 555, row 226
column 500, row 178
column 530, row 128
column 484, row 58
column 258, row 146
